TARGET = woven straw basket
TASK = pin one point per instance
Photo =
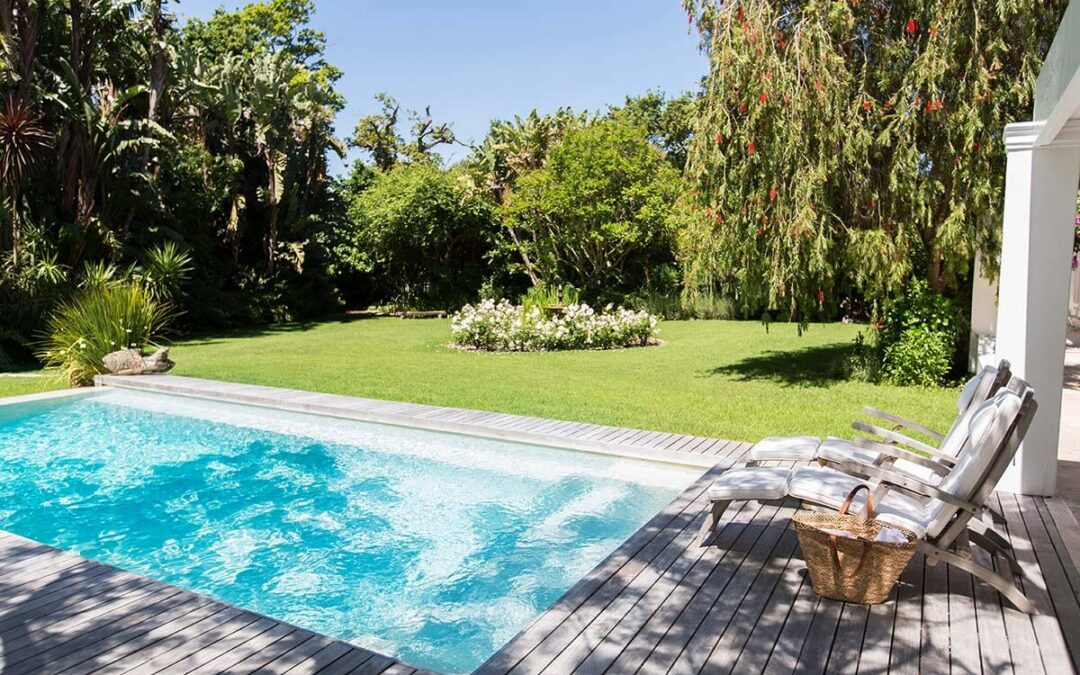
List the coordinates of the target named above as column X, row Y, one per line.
column 852, row 567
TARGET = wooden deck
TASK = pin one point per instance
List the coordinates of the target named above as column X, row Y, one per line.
column 663, row 604
column 659, row 603
column 60, row 613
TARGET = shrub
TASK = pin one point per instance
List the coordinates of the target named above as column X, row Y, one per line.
column 420, row 235
column 864, row 362
column 544, row 296
column 919, row 337
column 502, row 326
column 597, row 213
column 97, row 321
column 165, row 271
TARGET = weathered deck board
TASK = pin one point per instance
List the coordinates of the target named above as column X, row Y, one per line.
column 743, row 604
column 75, row 616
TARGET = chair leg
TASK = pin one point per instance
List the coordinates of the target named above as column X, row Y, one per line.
column 709, row 526
column 987, row 536
column 994, row 543
column 965, row 562
column 996, row 516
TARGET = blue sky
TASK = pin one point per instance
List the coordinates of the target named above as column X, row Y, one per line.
column 474, row 60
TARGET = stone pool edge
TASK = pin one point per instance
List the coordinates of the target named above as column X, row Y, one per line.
column 667, row 448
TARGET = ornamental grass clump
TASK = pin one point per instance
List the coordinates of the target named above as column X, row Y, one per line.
column 504, row 327
column 100, row 320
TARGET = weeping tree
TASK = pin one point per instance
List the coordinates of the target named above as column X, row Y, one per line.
column 849, row 145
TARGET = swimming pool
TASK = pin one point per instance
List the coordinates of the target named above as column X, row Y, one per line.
column 432, row 547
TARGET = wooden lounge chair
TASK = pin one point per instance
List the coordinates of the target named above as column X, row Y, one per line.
column 944, row 516
column 891, row 447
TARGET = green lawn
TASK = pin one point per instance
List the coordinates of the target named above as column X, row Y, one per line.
column 17, row 386
column 718, row 378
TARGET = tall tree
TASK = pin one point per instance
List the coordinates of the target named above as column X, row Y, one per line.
column 597, row 214
column 512, row 149
column 846, row 144
column 669, row 121
column 378, row 134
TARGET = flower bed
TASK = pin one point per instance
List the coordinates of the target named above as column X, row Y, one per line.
column 504, row 327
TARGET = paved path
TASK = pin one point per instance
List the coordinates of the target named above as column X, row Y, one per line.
column 1069, row 442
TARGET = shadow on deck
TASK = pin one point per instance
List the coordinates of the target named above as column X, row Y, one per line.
column 661, row 603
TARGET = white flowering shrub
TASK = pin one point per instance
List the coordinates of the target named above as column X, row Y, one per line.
column 502, row 326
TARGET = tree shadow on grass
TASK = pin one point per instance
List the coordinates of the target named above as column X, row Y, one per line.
column 211, row 337
column 809, row 367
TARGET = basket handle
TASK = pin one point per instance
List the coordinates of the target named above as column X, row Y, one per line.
column 870, row 513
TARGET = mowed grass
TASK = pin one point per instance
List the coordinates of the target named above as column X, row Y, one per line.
column 724, row 379
column 35, row 384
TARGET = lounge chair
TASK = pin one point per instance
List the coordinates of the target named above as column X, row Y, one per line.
column 891, row 447
column 943, row 516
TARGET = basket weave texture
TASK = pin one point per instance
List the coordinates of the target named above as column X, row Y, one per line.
column 852, row 567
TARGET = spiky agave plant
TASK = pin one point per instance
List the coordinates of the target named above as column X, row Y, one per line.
column 23, row 143
column 100, row 320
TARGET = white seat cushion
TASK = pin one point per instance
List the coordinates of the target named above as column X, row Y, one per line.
column 839, row 450
column 899, row 508
column 752, row 482
column 785, row 448
column 823, row 486
column 830, row 488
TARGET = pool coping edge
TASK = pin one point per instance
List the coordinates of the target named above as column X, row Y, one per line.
column 410, row 415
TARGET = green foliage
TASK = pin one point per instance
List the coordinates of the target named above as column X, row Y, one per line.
column 378, row 135
column 100, row 320
column 258, row 28
column 165, row 271
column 213, row 135
column 421, row 235
column 100, row 274
column 669, row 122
column 919, row 337
column 852, row 145
column 863, row 363
column 546, row 297
column 596, row 214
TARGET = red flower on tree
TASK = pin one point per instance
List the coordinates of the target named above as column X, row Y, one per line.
column 751, row 148
column 764, row 98
column 912, row 27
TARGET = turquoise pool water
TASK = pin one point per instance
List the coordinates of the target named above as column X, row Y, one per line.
column 435, row 548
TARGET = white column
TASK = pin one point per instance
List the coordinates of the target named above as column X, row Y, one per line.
column 1036, row 248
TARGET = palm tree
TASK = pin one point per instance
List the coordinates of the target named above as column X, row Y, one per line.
column 271, row 103
column 106, row 137
column 23, row 143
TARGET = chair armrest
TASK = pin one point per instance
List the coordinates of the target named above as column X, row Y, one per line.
column 899, row 452
column 903, row 423
column 894, row 480
column 901, row 439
